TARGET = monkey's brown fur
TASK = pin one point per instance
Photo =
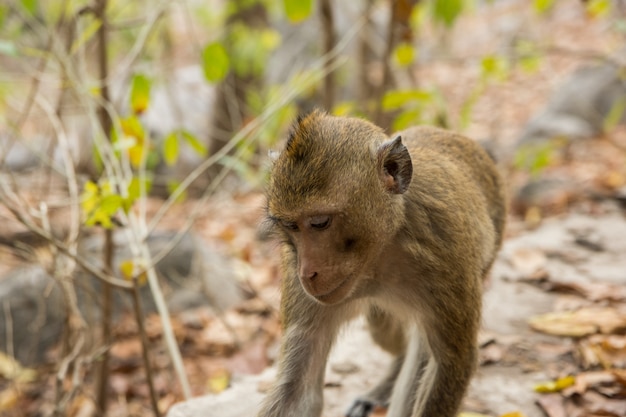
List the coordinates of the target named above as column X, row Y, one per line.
column 404, row 230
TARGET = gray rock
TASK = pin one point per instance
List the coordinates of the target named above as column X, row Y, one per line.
column 32, row 314
column 241, row 399
column 579, row 108
column 16, row 156
column 33, row 310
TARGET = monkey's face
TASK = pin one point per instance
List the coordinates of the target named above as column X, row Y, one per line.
column 334, row 195
column 329, row 254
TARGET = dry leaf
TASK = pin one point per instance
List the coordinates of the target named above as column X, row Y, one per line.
column 533, row 216
column 606, row 350
column 589, row 380
column 593, row 291
column 12, row 370
column 9, row 398
column 513, row 414
column 580, row 323
column 219, row 381
column 553, row 405
column 601, row 405
column 620, row 375
column 378, row 412
column 491, row 353
column 528, row 261
column 555, row 386
column 470, row 414
column 251, row 359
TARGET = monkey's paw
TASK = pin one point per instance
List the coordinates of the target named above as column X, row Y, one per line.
column 362, row 407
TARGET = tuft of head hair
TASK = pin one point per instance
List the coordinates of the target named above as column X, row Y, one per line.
column 300, row 134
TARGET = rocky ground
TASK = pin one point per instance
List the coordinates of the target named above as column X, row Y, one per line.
column 555, row 306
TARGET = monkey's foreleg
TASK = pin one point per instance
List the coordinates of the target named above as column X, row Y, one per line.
column 379, row 395
column 310, row 330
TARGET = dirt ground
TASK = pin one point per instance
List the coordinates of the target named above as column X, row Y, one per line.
column 571, row 263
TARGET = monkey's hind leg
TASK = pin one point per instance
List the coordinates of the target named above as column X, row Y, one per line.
column 388, row 333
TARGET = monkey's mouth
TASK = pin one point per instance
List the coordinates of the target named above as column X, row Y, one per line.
column 337, row 294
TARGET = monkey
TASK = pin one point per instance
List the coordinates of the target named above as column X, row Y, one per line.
column 401, row 228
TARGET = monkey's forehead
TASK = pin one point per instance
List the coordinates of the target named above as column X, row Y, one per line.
column 319, row 133
column 296, row 210
column 295, row 196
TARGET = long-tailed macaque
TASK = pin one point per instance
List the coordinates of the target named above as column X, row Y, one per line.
column 403, row 229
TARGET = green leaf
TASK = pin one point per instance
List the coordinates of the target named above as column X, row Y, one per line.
column 536, row 157
column 8, row 48
column 111, row 204
column 30, row 6
column 494, row 67
column 396, row 99
column 132, row 127
column 215, row 62
column 419, row 16
column 4, row 9
column 85, row 35
column 542, row 6
column 298, row 10
column 99, row 204
column 193, row 141
column 251, row 48
column 447, row 11
column 170, row 148
column 407, row 118
column 529, row 56
column 269, row 39
column 140, row 93
column 344, row 108
column 172, row 186
column 404, row 54
column 90, row 197
column 618, row 108
column 135, row 190
column 468, row 106
column 598, row 8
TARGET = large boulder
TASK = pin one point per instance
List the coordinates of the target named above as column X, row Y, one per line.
column 33, row 310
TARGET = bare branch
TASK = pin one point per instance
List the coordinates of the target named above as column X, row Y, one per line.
column 329, row 40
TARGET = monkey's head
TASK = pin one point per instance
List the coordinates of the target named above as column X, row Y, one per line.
column 335, row 198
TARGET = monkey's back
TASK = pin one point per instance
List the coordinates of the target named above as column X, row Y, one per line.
column 436, row 155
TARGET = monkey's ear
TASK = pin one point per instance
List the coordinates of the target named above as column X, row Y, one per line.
column 394, row 165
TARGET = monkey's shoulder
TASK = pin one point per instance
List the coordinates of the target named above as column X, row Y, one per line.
column 436, row 138
column 426, row 142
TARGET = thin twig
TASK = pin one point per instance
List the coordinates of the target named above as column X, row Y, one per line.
column 61, row 374
column 60, row 246
column 329, row 40
column 144, row 346
column 100, row 11
column 364, row 88
column 389, row 44
column 8, row 330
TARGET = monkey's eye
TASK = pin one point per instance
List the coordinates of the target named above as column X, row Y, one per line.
column 289, row 225
column 320, row 222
